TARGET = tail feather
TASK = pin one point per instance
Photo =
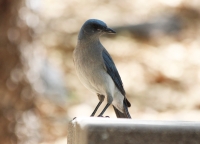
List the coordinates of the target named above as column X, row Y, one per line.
column 120, row 114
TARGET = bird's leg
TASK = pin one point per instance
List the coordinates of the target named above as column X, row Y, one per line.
column 101, row 99
column 105, row 108
column 109, row 100
column 96, row 108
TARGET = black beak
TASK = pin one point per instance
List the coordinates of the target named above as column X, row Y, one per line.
column 109, row 30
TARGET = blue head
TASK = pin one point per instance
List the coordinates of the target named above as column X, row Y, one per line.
column 94, row 28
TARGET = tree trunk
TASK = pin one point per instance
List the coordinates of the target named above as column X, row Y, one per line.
column 12, row 83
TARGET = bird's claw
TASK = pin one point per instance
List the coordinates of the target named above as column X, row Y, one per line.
column 104, row 117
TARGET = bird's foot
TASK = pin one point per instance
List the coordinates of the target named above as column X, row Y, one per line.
column 103, row 116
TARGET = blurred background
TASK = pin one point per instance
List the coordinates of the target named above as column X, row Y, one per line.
column 156, row 50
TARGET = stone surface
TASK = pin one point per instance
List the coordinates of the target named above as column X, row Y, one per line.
column 89, row 130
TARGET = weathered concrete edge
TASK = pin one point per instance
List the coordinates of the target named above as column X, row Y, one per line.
column 78, row 128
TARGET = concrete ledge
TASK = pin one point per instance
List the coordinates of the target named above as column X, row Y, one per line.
column 125, row 131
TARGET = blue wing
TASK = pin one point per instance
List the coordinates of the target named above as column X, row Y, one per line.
column 112, row 71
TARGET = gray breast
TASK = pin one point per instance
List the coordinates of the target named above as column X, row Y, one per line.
column 89, row 66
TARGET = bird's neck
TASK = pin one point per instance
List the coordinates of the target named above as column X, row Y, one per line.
column 85, row 36
column 89, row 41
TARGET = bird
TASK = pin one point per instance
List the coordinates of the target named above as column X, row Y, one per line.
column 96, row 69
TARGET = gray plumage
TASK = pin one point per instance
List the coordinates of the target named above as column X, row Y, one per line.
column 96, row 69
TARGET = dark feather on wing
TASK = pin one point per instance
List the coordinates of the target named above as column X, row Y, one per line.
column 112, row 71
